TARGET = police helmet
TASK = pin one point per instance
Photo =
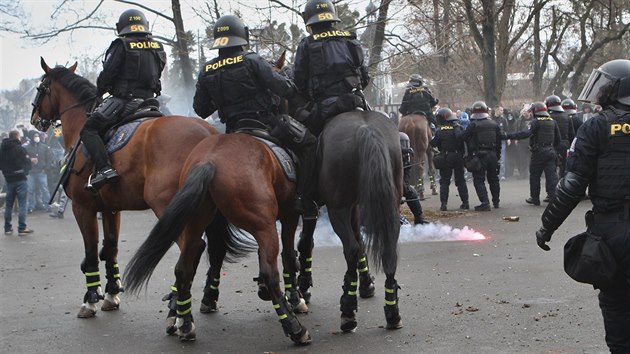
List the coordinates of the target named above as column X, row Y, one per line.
column 569, row 106
column 230, row 31
column 415, row 79
column 554, row 104
column 319, row 11
column 479, row 110
column 445, row 115
column 132, row 22
column 404, row 141
column 608, row 84
column 539, row 109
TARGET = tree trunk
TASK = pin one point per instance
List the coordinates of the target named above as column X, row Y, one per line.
column 376, row 52
column 182, row 49
column 488, row 54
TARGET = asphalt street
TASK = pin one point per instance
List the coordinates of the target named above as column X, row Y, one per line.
column 498, row 295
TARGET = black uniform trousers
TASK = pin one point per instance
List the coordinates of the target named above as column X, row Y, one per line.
column 614, row 302
column 543, row 160
column 562, row 156
column 454, row 165
column 413, row 202
column 489, row 169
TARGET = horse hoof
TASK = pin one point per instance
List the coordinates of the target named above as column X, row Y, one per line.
column 186, row 331
column 300, row 307
column 348, row 324
column 396, row 325
column 111, row 303
column 263, row 292
column 87, row 311
column 367, row 291
column 307, row 296
column 170, row 325
column 212, row 307
column 302, row 338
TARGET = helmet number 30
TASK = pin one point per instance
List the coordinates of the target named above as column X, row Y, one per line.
column 136, row 28
column 221, row 41
column 325, row 16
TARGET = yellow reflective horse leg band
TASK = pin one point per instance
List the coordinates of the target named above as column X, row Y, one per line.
column 113, row 273
column 363, row 266
column 92, row 280
column 214, row 285
column 173, row 288
column 280, row 309
column 308, row 266
column 184, row 307
column 352, row 289
column 390, row 297
column 289, row 280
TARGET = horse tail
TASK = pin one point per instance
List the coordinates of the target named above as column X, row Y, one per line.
column 237, row 244
column 169, row 227
column 378, row 197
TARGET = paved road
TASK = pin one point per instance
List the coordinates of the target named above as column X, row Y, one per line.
column 499, row 295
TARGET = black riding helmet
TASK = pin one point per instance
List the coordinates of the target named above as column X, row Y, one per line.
column 446, row 115
column 132, row 22
column 569, row 106
column 319, row 11
column 539, row 109
column 479, row 110
column 554, row 103
column 608, row 84
column 230, row 31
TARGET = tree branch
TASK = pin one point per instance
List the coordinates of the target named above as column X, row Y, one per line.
column 146, row 8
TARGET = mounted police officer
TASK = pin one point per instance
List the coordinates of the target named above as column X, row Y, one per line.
column 483, row 138
column 411, row 197
column 131, row 73
column 241, row 86
column 453, row 150
column 565, row 124
column 544, row 137
column 329, row 66
column 418, row 99
column 598, row 159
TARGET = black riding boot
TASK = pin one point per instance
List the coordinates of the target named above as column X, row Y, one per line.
column 105, row 173
column 416, row 210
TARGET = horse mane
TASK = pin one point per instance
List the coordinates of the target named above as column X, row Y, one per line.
column 80, row 88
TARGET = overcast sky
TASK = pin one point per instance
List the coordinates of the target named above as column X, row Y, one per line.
column 20, row 57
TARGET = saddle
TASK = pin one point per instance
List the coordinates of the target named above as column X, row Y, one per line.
column 118, row 136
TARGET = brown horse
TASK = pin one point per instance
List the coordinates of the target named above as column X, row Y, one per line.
column 416, row 126
column 228, row 180
column 149, row 165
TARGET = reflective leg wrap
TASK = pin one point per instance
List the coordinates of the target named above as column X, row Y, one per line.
column 113, row 285
column 290, row 324
column 366, row 281
column 184, row 307
column 432, row 181
column 172, row 299
column 392, row 314
column 290, row 289
column 305, row 279
column 93, row 284
column 211, row 290
column 348, row 300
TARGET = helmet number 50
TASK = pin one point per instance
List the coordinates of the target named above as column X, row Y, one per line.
column 325, row 16
column 221, row 41
column 136, row 28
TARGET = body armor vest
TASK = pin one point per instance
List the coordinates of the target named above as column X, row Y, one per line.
column 418, row 100
column 486, row 134
column 140, row 76
column 449, row 142
column 563, row 121
column 334, row 63
column 545, row 134
column 613, row 166
column 234, row 88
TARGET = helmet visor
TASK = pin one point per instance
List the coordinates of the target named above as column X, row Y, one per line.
column 595, row 83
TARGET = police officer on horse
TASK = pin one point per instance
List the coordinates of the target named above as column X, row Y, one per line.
column 241, row 86
column 598, row 160
column 418, row 99
column 131, row 73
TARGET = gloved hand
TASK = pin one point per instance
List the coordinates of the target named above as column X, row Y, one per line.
column 542, row 236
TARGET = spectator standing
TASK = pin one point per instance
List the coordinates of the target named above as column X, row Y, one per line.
column 40, row 156
column 523, row 153
column 15, row 166
column 503, row 125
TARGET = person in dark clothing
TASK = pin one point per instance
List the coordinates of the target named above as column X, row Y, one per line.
column 15, row 165
column 418, row 99
column 411, row 197
column 483, row 139
column 41, row 159
column 131, row 73
column 523, row 155
column 565, row 124
column 329, row 67
column 544, row 137
column 453, row 149
column 597, row 160
column 241, row 86
column 570, row 108
column 498, row 117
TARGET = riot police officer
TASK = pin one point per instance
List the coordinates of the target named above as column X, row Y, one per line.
column 544, row 137
column 240, row 84
column 452, row 149
column 570, row 108
column 597, row 159
column 329, row 66
column 565, row 124
column 483, row 139
column 418, row 99
column 411, row 197
column 131, row 73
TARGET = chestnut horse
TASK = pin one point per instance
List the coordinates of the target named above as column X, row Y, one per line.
column 416, row 126
column 228, row 180
column 149, row 166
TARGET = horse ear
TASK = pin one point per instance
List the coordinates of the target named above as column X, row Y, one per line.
column 44, row 65
column 74, row 66
column 280, row 61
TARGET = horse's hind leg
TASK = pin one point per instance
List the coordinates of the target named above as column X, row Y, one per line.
column 109, row 254
column 392, row 312
column 268, row 260
column 86, row 219
column 305, row 249
column 216, row 253
column 366, row 280
column 290, row 264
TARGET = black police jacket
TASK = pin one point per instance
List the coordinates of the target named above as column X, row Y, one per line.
column 417, row 99
column 543, row 131
column 482, row 134
column 14, row 161
column 132, row 68
column 329, row 64
column 239, row 85
column 446, row 139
